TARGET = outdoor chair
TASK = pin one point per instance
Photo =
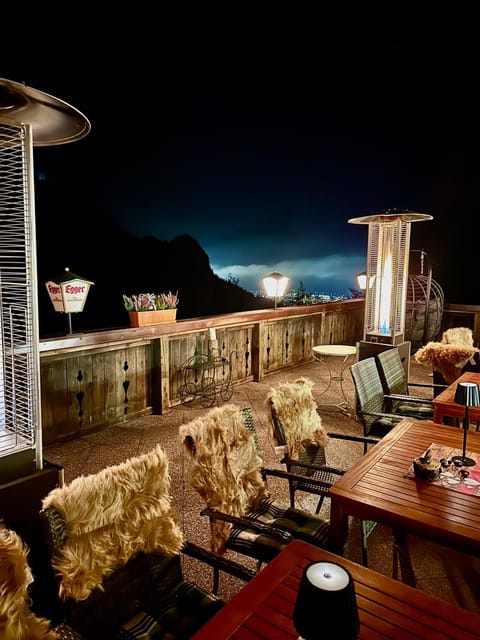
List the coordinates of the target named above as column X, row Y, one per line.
column 116, row 545
column 397, row 387
column 229, row 475
column 450, row 357
column 374, row 408
column 17, row 619
column 299, row 435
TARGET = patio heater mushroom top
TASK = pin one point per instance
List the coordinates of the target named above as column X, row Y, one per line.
column 392, row 214
column 387, row 273
column 52, row 120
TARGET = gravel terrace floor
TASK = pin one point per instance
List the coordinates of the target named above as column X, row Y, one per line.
column 442, row 572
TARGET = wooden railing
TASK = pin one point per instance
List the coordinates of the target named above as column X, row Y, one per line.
column 91, row 380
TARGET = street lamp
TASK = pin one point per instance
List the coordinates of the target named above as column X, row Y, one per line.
column 275, row 285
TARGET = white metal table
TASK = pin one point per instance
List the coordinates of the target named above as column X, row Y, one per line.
column 329, row 355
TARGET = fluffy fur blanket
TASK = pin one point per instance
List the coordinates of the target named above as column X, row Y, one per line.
column 449, row 356
column 226, row 469
column 17, row 622
column 110, row 516
column 297, row 411
column 461, row 336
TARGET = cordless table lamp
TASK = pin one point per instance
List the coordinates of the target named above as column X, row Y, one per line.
column 466, row 393
column 326, row 606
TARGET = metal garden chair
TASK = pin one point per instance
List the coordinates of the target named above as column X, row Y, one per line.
column 377, row 411
column 397, row 388
column 115, row 547
column 228, row 473
column 297, row 431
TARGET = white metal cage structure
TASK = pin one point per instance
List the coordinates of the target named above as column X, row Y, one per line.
column 28, row 118
column 387, row 262
column 20, row 426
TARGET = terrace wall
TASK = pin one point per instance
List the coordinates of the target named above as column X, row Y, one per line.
column 91, row 380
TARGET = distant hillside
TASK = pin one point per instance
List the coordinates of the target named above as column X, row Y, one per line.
column 71, row 234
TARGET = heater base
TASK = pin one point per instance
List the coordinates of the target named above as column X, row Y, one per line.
column 382, row 338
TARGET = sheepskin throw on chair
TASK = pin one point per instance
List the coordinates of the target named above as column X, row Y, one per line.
column 297, row 411
column 110, row 516
column 17, row 622
column 449, row 356
column 226, row 471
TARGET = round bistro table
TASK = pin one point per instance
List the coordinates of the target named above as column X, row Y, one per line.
column 336, row 358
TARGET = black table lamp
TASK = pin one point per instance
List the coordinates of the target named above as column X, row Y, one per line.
column 326, row 606
column 467, row 393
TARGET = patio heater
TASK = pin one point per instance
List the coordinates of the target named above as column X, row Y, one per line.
column 387, row 278
column 28, row 118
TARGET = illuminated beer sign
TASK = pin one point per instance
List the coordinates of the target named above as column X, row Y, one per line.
column 68, row 293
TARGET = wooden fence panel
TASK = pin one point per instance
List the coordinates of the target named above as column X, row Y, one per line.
column 92, row 380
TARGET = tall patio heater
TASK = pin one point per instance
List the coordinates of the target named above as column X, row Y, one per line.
column 28, row 118
column 387, row 278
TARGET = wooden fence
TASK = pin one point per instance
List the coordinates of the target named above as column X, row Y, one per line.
column 91, row 380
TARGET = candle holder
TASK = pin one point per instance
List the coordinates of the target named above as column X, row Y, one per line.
column 326, row 604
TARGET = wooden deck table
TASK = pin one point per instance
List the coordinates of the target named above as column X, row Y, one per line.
column 387, row 608
column 377, row 488
column 444, row 405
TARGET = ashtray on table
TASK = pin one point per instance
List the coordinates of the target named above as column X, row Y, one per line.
column 427, row 468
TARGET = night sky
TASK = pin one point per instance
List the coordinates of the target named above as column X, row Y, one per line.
column 261, row 136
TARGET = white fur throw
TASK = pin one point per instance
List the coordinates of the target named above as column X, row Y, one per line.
column 110, row 516
column 461, row 336
column 446, row 357
column 297, row 411
column 17, row 622
column 226, row 467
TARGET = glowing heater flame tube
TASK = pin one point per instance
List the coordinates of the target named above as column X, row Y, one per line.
column 387, row 269
column 383, row 303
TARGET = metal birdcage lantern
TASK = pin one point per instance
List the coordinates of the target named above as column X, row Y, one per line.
column 387, row 273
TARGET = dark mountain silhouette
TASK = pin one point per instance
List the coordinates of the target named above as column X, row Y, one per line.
column 71, row 234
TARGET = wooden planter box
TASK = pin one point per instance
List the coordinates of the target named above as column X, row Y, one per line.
column 144, row 318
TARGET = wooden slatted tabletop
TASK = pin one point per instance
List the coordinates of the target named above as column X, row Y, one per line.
column 377, row 488
column 444, row 405
column 387, row 608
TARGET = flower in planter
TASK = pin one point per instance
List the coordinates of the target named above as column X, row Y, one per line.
column 151, row 301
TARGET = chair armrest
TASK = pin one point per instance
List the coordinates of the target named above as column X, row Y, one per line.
column 396, row 417
column 295, row 477
column 348, row 438
column 425, row 385
column 308, row 465
column 214, row 560
column 413, row 399
column 248, row 523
